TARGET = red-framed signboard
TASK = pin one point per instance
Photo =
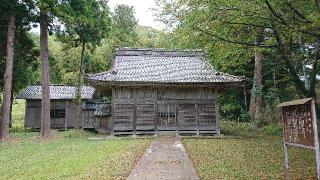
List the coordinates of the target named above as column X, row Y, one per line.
column 300, row 128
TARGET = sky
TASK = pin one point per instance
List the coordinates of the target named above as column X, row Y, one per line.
column 144, row 14
column 143, row 10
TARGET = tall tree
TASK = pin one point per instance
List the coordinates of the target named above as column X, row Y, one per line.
column 256, row 91
column 13, row 13
column 45, row 82
column 86, row 22
column 5, row 115
column 123, row 26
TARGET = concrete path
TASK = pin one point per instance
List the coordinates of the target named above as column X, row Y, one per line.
column 164, row 159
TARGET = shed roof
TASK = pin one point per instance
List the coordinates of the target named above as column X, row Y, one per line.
column 161, row 66
column 103, row 109
column 56, row 92
column 295, row 102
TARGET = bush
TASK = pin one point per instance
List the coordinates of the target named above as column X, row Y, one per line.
column 272, row 129
column 248, row 129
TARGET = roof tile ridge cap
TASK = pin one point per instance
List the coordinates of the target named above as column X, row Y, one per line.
column 226, row 74
column 100, row 73
column 205, row 60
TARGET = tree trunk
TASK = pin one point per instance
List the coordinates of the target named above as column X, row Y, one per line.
column 5, row 115
column 256, row 91
column 80, row 82
column 313, row 78
column 45, row 84
column 10, row 116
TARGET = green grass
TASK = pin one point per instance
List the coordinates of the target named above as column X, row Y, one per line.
column 68, row 155
column 248, row 156
column 18, row 110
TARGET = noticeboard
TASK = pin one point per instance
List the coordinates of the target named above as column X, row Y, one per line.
column 297, row 125
column 300, row 128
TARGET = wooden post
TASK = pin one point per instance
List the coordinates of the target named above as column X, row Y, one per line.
column 155, row 111
column 217, row 111
column 155, row 118
column 315, row 133
column 177, row 120
column 197, row 119
column 286, row 160
column 65, row 116
column 112, row 112
column 134, row 117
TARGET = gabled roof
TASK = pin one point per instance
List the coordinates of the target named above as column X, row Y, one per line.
column 160, row 66
column 56, row 92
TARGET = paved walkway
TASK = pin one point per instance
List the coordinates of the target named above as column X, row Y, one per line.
column 164, row 159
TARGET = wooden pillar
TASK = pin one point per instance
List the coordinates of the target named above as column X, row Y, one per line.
column 26, row 114
column 315, row 134
column 155, row 110
column 217, row 111
column 177, row 118
column 134, row 116
column 112, row 112
column 197, row 119
column 66, row 116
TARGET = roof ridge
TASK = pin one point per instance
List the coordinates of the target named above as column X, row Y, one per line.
column 56, row 92
column 156, row 49
column 129, row 51
column 56, row 85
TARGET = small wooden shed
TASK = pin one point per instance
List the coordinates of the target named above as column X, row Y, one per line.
column 62, row 106
column 155, row 90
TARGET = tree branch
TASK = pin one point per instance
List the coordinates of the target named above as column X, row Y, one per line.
column 303, row 18
column 233, row 42
column 294, row 75
column 246, row 24
column 274, row 13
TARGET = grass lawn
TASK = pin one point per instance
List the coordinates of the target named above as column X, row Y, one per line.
column 68, row 155
column 248, row 157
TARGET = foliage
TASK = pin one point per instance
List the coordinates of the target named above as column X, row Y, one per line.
column 152, row 38
column 68, row 155
column 85, row 21
column 123, row 26
column 247, row 129
column 25, row 51
column 226, row 30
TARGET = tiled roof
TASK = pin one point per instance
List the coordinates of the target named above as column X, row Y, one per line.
column 161, row 66
column 56, row 92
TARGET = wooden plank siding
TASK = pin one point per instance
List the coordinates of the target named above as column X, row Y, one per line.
column 149, row 110
column 33, row 115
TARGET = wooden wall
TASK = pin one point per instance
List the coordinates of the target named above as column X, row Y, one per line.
column 148, row 110
column 33, row 115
